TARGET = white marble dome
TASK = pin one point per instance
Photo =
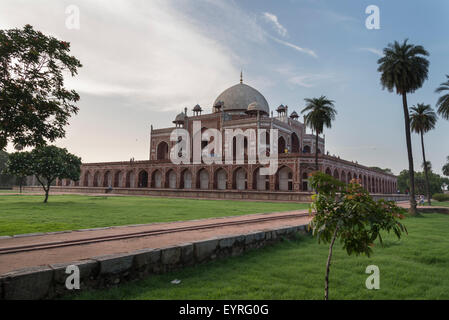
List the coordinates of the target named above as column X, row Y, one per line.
column 238, row 97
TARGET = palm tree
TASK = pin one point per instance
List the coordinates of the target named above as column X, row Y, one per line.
column 443, row 101
column 422, row 120
column 320, row 112
column 429, row 165
column 446, row 168
column 404, row 68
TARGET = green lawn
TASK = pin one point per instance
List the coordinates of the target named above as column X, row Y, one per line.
column 415, row 267
column 28, row 214
column 440, row 204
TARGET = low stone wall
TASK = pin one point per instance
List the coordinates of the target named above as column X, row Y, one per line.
column 47, row 282
column 208, row 194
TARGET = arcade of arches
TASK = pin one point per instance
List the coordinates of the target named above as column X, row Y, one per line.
column 225, row 177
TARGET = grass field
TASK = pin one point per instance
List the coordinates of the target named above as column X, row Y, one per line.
column 415, row 267
column 440, row 204
column 28, row 214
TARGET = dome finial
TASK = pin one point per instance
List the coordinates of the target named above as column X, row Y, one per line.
column 241, row 76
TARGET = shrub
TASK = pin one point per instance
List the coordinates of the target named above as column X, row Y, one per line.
column 348, row 213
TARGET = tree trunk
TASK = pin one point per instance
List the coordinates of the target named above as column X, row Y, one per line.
column 425, row 170
column 47, row 190
column 410, row 156
column 328, row 264
column 316, row 151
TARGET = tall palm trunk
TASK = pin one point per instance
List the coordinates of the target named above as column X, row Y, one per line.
column 425, row 169
column 410, row 155
column 316, row 151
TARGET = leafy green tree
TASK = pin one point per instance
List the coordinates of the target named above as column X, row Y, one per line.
column 46, row 163
column 20, row 165
column 437, row 183
column 349, row 213
column 443, row 101
column 319, row 113
column 34, row 104
column 446, row 168
column 422, row 120
column 404, row 69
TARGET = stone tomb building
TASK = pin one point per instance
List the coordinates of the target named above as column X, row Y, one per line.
column 239, row 106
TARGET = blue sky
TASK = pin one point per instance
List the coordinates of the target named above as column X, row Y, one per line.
column 144, row 61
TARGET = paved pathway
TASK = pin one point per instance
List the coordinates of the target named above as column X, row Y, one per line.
column 9, row 262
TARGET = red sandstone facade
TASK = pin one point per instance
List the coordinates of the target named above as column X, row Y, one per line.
column 238, row 107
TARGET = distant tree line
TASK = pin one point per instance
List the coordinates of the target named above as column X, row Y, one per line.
column 437, row 183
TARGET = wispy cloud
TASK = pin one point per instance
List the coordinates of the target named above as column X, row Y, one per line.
column 273, row 20
column 308, row 80
column 372, row 50
column 303, row 79
column 295, row 47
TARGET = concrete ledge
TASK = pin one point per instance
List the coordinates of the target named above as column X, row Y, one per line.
column 46, row 282
column 27, row 284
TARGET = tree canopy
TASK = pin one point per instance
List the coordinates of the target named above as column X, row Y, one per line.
column 404, row 67
column 436, row 182
column 34, row 103
column 443, row 101
column 46, row 163
column 422, row 118
column 446, row 168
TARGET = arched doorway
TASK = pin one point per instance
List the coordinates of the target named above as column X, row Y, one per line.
column 281, row 145
column 96, row 179
column 156, row 179
column 186, row 179
column 220, row 180
column 305, row 182
column 343, row 177
column 170, row 179
column 118, row 177
column 162, row 151
column 284, row 179
column 260, row 182
column 240, row 179
column 203, row 179
column 306, row 149
column 130, row 179
column 143, row 179
column 237, row 154
column 295, row 143
column 87, row 177
column 107, row 179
